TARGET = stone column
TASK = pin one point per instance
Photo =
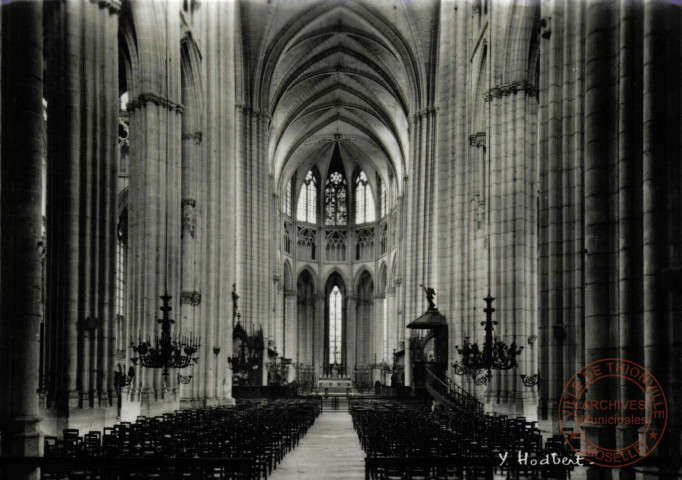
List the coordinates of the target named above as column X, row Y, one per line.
column 190, row 311
column 656, row 113
column 392, row 323
column 301, row 334
column 628, row 156
column 21, row 219
column 217, row 199
column 155, row 191
column 82, row 95
column 598, row 118
column 378, row 330
column 318, row 334
column 291, row 327
column 351, row 334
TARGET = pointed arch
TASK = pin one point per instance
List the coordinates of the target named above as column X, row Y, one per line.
column 305, row 273
column 519, row 35
column 365, row 291
column 308, row 198
column 364, row 210
column 287, row 276
column 382, row 284
column 129, row 67
column 479, row 115
column 336, row 191
column 192, row 85
column 362, row 276
column 337, row 272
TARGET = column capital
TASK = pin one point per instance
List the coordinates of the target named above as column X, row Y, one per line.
column 197, row 136
column 114, row 6
column 155, row 99
column 190, row 298
column 477, row 140
column 511, row 88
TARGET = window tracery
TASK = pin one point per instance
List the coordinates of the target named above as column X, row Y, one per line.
column 335, row 199
column 335, row 241
column 307, row 243
column 364, row 201
column 307, row 200
column 364, row 243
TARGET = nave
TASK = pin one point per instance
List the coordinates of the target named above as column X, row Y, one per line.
column 227, row 196
column 329, row 451
column 312, row 437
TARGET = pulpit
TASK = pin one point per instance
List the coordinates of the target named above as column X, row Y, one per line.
column 429, row 343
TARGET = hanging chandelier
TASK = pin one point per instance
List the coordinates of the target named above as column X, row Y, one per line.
column 167, row 351
column 495, row 354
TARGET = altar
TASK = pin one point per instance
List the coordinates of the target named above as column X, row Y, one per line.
column 334, row 385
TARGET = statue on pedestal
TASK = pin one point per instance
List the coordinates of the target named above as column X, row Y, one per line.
column 430, row 293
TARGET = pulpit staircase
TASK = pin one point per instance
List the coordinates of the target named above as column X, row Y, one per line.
column 449, row 393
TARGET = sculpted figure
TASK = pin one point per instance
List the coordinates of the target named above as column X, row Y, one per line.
column 430, row 293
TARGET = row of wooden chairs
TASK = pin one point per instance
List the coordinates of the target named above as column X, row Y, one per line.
column 262, row 432
column 472, row 441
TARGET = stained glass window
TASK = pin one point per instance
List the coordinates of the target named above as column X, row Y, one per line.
column 307, row 200
column 335, row 325
column 364, row 202
column 335, row 199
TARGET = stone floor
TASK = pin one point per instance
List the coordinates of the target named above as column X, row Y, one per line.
column 331, row 450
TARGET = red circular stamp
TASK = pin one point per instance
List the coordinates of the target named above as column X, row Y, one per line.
column 591, row 403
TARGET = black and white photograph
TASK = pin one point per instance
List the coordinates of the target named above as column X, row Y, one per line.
column 340, row 239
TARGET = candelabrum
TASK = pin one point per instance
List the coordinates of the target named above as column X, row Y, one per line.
column 495, row 354
column 167, row 351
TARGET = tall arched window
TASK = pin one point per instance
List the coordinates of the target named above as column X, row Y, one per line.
column 335, row 198
column 364, row 201
column 335, row 326
column 287, row 197
column 307, row 200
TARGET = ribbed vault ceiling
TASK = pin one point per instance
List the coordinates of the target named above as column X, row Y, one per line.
column 339, row 72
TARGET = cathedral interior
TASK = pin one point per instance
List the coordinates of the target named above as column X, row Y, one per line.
column 254, row 211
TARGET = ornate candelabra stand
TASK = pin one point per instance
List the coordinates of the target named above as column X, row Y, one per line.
column 167, row 351
column 495, row 355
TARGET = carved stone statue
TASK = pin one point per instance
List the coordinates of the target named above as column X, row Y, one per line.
column 430, row 293
column 189, row 217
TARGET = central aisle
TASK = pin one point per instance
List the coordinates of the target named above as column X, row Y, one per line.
column 330, row 450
